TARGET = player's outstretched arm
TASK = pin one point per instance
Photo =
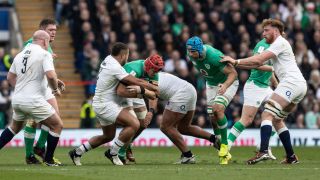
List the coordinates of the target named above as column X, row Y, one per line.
column 131, row 80
column 261, row 68
column 251, row 62
column 134, row 92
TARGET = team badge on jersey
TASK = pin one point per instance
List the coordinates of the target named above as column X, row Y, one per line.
column 207, row 66
column 203, row 72
column 182, row 107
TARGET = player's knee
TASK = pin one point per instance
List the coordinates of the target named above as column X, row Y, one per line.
column 164, row 128
column 183, row 130
column 218, row 111
column 274, row 108
column 31, row 123
column 107, row 137
column 135, row 125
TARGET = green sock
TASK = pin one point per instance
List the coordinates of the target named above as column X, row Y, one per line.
column 236, row 130
column 29, row 134
column 217, row 132
column 223, row 126
column 43, row 137
column 122, row 152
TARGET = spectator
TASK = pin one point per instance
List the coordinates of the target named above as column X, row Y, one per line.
column 5, row 103
column 87, row 114
column 312, row 117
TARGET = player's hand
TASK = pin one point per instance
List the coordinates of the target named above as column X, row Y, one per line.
column 222, row 89
column 228, row 59
column 147, row 119
column 61, row 86
column 56, row 92
column 54, row 56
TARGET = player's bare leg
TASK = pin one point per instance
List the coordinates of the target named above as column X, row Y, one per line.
column 169, row 128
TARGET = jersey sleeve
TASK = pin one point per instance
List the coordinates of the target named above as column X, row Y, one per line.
column 277, row 47
column 119, row 72
column 48, row 62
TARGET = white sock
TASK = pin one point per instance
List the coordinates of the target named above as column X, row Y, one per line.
column 83, row 148
column 117, row 144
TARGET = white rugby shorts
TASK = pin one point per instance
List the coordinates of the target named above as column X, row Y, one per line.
column 183, row 100
column 39, row 112
column 254, row 95
column 292, row 92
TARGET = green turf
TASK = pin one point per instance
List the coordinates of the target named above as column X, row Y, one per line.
column 157, row 163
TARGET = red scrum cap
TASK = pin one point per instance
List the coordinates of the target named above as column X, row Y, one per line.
column 154, row 62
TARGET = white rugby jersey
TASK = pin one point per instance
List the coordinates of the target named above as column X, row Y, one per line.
column 30, row 66
column 285, row 64
column 170, row 85
column 110, row 74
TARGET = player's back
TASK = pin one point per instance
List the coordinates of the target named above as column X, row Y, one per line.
column 29, row 66
column 169, row 85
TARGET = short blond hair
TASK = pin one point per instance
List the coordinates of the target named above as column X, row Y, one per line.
column 274, row 23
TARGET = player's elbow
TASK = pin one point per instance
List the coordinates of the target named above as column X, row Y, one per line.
column 51, row 75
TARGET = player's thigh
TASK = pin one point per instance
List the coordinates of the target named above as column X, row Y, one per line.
column 171, row 118
column 53, row 102
column 186, row 120
column 53, row 122
column 125, row 118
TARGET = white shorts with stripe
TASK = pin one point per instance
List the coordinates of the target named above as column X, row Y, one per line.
column 225, row 99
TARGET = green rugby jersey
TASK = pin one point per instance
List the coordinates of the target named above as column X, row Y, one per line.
column 29, row 41
column 261, row 78
column 135, row 68
column 210, row 66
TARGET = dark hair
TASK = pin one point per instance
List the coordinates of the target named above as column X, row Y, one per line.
column 118, row 48
column 45, row 22
column 274, row 23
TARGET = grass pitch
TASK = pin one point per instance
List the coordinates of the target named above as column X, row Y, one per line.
column 157, row 163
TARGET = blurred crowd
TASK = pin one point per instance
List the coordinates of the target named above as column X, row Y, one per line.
column 163, row 26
